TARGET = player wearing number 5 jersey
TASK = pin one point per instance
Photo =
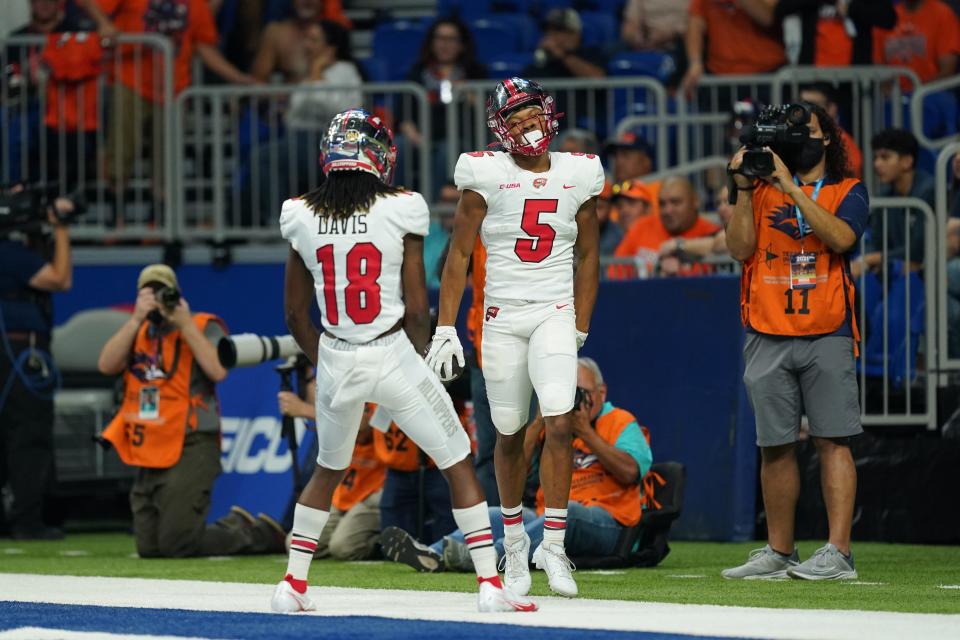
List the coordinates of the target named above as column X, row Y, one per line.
column 535, row 212
column 357, row 244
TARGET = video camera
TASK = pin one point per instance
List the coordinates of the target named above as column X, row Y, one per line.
column 26, row 209
column 250, row 349
column 781, row 128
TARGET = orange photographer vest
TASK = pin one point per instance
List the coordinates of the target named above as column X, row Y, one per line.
column 396, row 451
column 477, row 310
column 767, row 303
column 364, row 477
column 592, row 485
column 155, row 440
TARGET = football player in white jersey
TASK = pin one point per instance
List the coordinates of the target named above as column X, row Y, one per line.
column 536, row 215
column 356, row 243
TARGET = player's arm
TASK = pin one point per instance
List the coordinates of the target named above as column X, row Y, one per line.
column 416, row 317
column 586, row 278
column 471, row 210
column 297, row 298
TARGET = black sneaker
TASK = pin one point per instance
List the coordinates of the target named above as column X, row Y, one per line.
column 400, row 546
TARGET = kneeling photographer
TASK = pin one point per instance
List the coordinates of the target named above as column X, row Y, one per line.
column 798, row 214
column 32, row 266
column 169, row 426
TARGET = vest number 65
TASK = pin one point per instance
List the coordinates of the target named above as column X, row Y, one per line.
column 540, row 244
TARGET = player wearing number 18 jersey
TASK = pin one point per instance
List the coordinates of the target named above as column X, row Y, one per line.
column 357, row 244
column 535, row 212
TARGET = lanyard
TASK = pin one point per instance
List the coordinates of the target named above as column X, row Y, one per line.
column 816, row 192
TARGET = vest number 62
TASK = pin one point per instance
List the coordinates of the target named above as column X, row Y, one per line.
column 540, row 244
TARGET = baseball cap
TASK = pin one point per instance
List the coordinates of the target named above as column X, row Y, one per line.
column 157, row 273
column 563, row 20
column 632, row 189
column 629, row 139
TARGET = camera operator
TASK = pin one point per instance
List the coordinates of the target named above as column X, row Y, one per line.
column 28, row 376
column 793, row 230
column 169, row 426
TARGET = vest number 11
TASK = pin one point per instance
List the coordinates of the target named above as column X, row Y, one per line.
column 804, row 296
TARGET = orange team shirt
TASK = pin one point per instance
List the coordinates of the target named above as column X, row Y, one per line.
column 144, row 72
column 364, row 477
column 478, row 268
column 834, row 46
column 854, row 156
column 645, row 237
column 920, row 38
column 333, row 10
column 735, row 43
column 75, row 61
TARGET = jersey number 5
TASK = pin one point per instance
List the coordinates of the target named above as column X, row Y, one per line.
column 362, row 295
column 540, row 244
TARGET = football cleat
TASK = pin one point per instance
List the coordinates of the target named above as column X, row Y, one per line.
column 286, row 599
column 492, row 599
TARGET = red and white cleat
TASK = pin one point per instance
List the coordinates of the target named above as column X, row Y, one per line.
column 495, row 599
column 286, row 599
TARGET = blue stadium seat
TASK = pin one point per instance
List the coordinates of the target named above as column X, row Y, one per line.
column 521, row 24
column 399, row 42
column 493, row 38
column 653, row 64
column 611, row 7
column 466, row 9
column 508, row 65
column 375, row 69
column 599, row 29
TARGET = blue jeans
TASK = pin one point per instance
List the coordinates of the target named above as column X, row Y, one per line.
column 398, row 503
column 591, row 531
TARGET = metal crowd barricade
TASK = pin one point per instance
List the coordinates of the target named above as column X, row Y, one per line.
column 898, row 359
column 602, row 103
column 242, row 150
column 65, row 133
column 945, row 89
column 947, row 361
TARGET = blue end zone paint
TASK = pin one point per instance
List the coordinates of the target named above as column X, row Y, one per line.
column 222, row 625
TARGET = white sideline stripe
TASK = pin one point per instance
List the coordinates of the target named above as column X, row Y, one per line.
column 41, row 633
column 618, row 615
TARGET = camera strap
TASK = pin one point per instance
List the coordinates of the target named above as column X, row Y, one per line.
column 816, row 193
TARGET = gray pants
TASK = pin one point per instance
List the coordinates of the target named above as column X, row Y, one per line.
column 353, row 534
column 170, row 507
column 788, row 377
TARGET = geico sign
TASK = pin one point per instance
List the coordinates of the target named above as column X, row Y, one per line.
column 256, row 445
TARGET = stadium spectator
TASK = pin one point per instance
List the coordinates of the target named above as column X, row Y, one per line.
column 577, row 141
column 611, row 454
column 632, row 201
column 447, row 57
column 740, row 38
column 441, row 224
column 632, row 158
column 353, row 529
column 168, row 426
column 925, row 39
column 561, row 54
column 27, row 279
column 138, row 92
column 796, row 300
column 834, row 33
column 679, row 219
column 284, row 46
column 698, row 248
column 895, row 154
column 823, row 95
column 611, row 233
column 654, row 24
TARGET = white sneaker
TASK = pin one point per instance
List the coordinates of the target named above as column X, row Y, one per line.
column 553, row 559
column 492, row 599
column 515, row 565
column 286, row 599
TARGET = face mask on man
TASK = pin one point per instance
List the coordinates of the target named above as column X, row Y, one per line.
column 810, row 154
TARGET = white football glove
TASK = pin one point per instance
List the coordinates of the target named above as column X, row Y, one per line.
column 444, row 347
column 581, row 339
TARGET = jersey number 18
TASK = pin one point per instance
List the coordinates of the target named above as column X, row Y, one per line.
column 362, row 294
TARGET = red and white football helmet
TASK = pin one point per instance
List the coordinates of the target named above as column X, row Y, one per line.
column 516, row 93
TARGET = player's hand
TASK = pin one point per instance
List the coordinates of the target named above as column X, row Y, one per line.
column 735, row 163
column 180, row 315
column 146, row 302
column 444, row 349
column 581, row 339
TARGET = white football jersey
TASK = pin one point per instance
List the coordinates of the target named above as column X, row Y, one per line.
column 356, row 263
column 530, row 228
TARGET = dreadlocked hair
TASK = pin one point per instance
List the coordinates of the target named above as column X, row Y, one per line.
column 837, row 163
column 344, row 193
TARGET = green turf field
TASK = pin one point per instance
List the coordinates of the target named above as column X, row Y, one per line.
column 892, row 577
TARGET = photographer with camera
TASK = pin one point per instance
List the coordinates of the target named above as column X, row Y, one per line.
column 169, row 426
column 28, row 376
column 798, row 214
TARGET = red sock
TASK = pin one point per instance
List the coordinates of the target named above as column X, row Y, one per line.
column 300, row 586
column 494, row 580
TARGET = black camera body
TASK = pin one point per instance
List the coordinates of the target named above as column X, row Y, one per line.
column 781, row 128
column 26, row 209
column 168, row 298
